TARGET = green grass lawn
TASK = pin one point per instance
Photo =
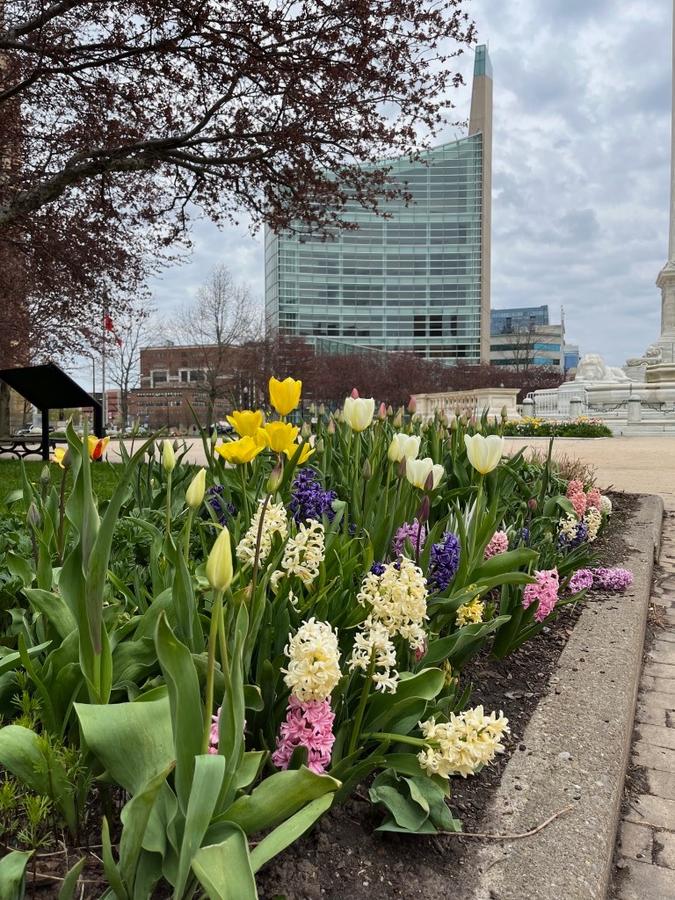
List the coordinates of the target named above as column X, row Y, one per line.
column 10, row 476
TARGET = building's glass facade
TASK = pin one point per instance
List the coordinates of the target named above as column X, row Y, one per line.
column 517, row 318
column 411, row 281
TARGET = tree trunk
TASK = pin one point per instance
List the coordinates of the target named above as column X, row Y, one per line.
column 4, row 409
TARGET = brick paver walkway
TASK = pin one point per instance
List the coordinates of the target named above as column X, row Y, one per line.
column 647, row 837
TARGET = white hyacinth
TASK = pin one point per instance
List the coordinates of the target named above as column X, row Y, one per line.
column 605, row 505
column 313, row 661
column 398, row 599
column 303, row 554
column 464, row 744
column 275, row 522
column 373, row 638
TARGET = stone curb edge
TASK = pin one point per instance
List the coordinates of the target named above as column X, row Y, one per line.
column 576, row 748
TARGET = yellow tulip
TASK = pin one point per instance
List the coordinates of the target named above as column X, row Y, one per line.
column 305, row 453
column 241, row 451
column 97, row 446
column 246, row 421
column 168, row 456
column 61, row 456
column 285, row 395
column 196, row 489
column 219, row 562
column 278, row 436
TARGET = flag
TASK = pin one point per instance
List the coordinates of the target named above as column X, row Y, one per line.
column 109, row 325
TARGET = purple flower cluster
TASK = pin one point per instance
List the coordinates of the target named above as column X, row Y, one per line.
column 308, row 498
column 410, row 531
column 601, row 579
column 525, row 535
column 377, row 568
column 223, row 510
column 614, row 579
column 579, row 538
column 444, row 562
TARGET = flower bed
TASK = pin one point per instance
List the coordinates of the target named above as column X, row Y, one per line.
column 582, row 427
column 229, row 653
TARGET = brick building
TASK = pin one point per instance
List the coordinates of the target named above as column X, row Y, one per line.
column 175, row 378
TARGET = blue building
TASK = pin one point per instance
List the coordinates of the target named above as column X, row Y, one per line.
column 417, row 280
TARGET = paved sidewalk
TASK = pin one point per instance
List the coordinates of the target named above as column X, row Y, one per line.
column 647, row 837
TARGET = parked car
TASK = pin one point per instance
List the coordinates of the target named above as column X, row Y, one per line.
column 221, row 428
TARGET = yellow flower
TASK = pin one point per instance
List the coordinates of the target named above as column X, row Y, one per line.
column 285, row 395
column 278, row 436
column 358, row 412
column 61, row 456
column 485, row 453
column 195, row 492
column 168, row 456
column 241, row 451
column 219, row 562
column 97, row 446
column 305, row 453
column 246, row 421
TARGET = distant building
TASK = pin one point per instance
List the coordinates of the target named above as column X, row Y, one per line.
column 524, row 336
column 418, row 280
column 175, row 381
column 571, row 352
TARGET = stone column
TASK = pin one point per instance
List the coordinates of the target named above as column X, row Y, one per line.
column 666, row 279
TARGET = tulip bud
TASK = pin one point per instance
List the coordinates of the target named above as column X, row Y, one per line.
column 458, row 412
column 312, row 409
column 382, row 411
column 168, row 457
column 214, row 438
column 390, row 410
column 33, row 515
column 398, row 418
column 532, row 503
column 330, row 428
column 412, row 405
column 322, row 410
column 454, row 423
column 367, row 470
column 275, row 478
column 195, row 492
column 402, row 468
column 429, row 481
column 425, row 506
column 151, row 449
column 504, row 413
column 219, row 562
column 355, row 394
column 306, row 430
column 319, row 445
column 45, row 477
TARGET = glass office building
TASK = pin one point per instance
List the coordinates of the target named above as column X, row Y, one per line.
column 417, row 280
column 517, row 318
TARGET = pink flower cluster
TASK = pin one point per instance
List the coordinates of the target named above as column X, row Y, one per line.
column 213, row 737
column 545, row 591
column 308, row 724
column 601, row 579
column 580, row 500
column 498, row 543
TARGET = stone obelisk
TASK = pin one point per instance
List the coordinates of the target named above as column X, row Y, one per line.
column 666, row 279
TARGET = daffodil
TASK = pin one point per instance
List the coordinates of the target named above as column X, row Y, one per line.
column 241, row 451
column 358, row 412
column 484, row 453
column 418, row 470
column 278, row 436
column 305, row 453
column 246, row 421
column 285, row 395
column 97, row 446
column 61, row 456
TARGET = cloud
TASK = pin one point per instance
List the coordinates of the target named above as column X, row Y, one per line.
column 581, row 169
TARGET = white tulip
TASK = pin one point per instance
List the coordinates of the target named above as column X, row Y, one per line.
column 404, row 446
column 417, row 472
column 358, row 412
column 484, row 453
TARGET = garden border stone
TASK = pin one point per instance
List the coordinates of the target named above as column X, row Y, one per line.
column 576, row 748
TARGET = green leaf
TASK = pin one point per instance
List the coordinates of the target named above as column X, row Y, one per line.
column 112, row 873
column 13, row 874
column 248, row 768
column 69, row 885
column 187, row 712
column 208, row 777
column 12, row 660
column 19, row 567
column 455, row 647
column 133, row 741
column 424, row 685
column 288, row 832
column 502, row 563
column 224, row 869
column 54, row 608
column 135, row 817
column 276, row 798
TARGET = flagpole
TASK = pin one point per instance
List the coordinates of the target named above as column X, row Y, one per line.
column 103, row 409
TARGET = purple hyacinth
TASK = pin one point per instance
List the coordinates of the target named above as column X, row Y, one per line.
column 308, row 498
column 409, row 531
column 525, row 535
column 581, row 580
column 614, row 579
column 579, row 538
column 223, row 509
column 444, row 562
column 377, row 568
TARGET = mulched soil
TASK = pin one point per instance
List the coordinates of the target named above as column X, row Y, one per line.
column 343, row 856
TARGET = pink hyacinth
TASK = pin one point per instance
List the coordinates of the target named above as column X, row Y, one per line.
column 594, row 499
column 409, row 531
column 308, row 724
column 575, row 486
column 545, row 591
column 612, row 579
column 578, row 501
column 581, row 580
column 498, row 543
column 213, row 736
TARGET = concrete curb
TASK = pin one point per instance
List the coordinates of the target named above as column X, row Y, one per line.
column 576, row 748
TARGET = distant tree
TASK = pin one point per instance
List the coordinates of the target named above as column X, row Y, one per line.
column 132, row 331
column 222, row 318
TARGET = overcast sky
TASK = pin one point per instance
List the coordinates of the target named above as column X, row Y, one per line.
column 581, row 169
